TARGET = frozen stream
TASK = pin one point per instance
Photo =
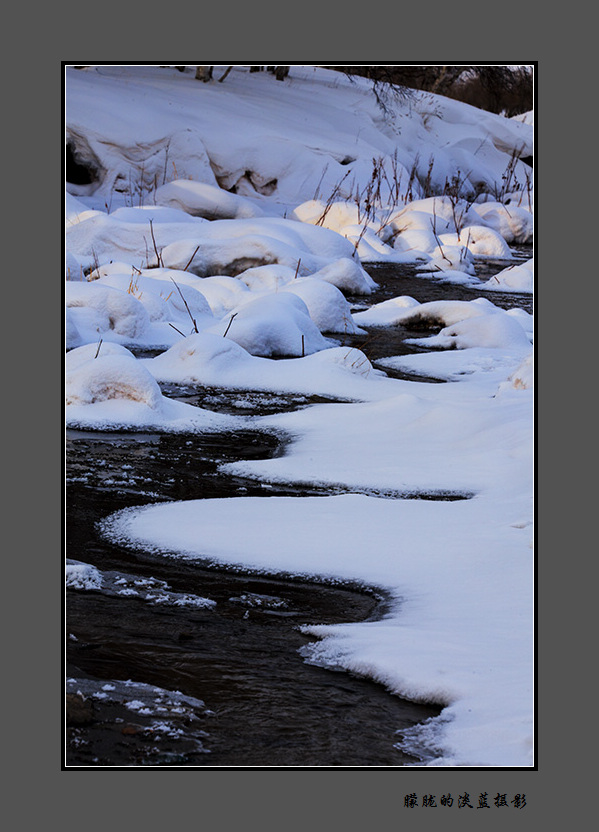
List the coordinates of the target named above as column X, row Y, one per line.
column 169, row 664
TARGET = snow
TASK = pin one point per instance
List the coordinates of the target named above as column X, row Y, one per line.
column 224, row 226
column 107, row 387
column 208, row 359
column 273, row 324
column 202, row 200
column 516, row 278
column 82, row 575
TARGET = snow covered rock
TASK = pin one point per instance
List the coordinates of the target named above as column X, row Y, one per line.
column 96, row 310
column 82, row 575
column 516, row 278
column 112, row 372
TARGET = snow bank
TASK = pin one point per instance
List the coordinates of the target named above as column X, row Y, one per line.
column 345, row 164
column 276, row 155
column 464, row 365
column 215, row 361
column 230, row 247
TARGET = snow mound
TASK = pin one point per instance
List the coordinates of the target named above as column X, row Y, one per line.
column 158, row 290
column 516, row 278
column 348, row 275
column 515, row 224
column 97, row 310
column 494, row 329
column 95, row 374
column 128, row 234
column 451, row 256
column 388, row 312
column 326, row 304
column 203, row 358
column 274, row 324
column 523, row 378
column 441, row 213
column 222, row 292
column 72, row 336
column 267, row 278
column 72, row 267
column 229, row 247
column 203, row 200
column 479, row 241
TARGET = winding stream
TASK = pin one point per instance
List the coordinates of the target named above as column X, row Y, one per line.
column 170, row 663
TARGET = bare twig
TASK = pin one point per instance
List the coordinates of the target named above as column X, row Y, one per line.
column 195, row 326
column 439, row 241
column 331, row 199
column 191, row 258
column 98, row 350
column 234, row 315
column 362, row 232
column 465, row 250
column 317, row 191
column 168, row 144
column 176, row 330
column 158, row 255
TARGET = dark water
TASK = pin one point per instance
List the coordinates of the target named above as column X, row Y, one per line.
column 173, row 664
column 261, row 704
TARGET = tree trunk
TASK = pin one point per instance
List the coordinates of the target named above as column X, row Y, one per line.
column 204, row 73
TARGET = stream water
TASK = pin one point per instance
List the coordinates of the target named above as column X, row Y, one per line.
column 176, row 664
